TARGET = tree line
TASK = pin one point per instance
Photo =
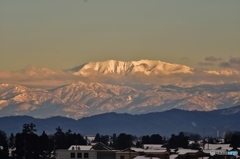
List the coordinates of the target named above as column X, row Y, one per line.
column 28, row 145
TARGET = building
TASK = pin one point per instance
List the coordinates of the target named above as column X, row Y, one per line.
column 189, row 154
column 129, row 153
column 97, row 151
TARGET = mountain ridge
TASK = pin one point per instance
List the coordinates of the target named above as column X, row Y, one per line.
column 133, row 87
column 146, row 67
column 85, row 99
column 165, row 123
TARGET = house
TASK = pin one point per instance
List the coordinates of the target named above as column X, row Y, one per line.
column 217, row 147
column 76, row 151
column 144, row 157
column 162, row 153
column 173, row 156
column 80, row 147
column 129, row 153
column 126, row 155
column 137, row 153
column 103, row 151
column 189, row 154
column 97, row 151
column 153, row 146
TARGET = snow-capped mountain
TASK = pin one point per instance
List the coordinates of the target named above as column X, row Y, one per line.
column 147, row 67
column 20, row 100
column 84, row 99
column 142, row 72
column 116, row 86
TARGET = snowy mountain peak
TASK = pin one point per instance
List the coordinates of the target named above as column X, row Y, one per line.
column 147, row 67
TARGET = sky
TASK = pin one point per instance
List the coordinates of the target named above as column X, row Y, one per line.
column 61, row 34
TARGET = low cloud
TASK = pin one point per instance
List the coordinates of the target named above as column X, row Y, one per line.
column 213, row 59
column 235, row 61
column 52, row 78
column 225, row 64
column 206, row 64
column 4, row 75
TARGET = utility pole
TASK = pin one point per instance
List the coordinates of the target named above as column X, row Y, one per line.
column 129, row 145
column 54, row 148
column 25, row 143
column 76, row 144
column 208, row 142
column 204, row 138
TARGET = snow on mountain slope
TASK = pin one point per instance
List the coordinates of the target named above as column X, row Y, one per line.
column 143, row 72
column 89, row 98
column 20, row 100
column 50, row 92
column 83, row 99
column 147, row 67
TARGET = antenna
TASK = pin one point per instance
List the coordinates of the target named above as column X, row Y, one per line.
column 97, row 130
column 203, row 133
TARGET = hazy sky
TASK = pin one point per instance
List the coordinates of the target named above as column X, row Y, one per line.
column 66, row 33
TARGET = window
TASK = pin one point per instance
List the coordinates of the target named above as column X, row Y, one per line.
column 79, row 155
column 121, row 157
column 72, row 155
column 85, row 155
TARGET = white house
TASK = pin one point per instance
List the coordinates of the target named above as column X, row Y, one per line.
column 76, row 152
column 97, row 151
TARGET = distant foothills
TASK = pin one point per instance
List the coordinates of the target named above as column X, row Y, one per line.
column 206, row 123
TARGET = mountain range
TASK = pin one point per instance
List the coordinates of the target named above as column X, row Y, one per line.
column 85, row 99
column 205, row 123
column 134, row 87
column 114, row 72
column 146, row 67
